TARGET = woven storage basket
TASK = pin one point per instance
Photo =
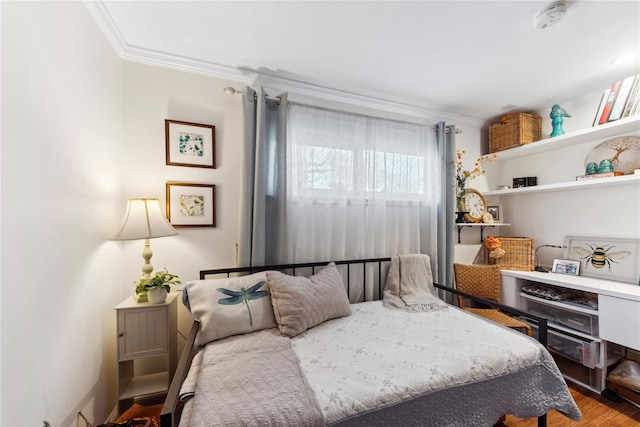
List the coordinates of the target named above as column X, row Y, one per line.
column 514, row 130
column 518, row 254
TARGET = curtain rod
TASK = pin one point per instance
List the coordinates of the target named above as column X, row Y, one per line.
column 267, row 98
column 233, row 91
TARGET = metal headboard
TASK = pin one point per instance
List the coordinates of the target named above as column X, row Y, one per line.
column 292, row 268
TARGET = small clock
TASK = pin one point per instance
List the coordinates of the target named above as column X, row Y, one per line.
column 475, row 205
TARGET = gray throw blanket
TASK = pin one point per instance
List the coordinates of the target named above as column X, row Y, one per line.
column 409, row 285
column 249, row 380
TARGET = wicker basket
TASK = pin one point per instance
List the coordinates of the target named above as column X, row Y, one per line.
column 518, row 254
column 514, row 130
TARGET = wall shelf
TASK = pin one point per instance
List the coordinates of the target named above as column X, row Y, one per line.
column 482, row 226
column 631, row 124
column 572, row 185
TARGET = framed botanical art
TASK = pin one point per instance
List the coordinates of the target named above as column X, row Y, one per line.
column 191, row 205
column 606, row 257
column 190, row 144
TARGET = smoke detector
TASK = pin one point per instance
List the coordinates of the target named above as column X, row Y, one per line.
column 550, row 15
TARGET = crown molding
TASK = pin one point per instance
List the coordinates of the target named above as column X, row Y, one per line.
column 302, row 91
column 298, row 88
column 104, row 21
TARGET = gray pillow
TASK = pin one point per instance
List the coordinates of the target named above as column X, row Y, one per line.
column 300, row 303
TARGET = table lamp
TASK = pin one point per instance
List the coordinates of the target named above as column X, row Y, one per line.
column 144, row 220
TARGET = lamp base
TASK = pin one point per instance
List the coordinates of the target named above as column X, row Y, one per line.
column 540, row 269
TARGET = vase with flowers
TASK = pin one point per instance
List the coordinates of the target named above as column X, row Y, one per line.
column 463, row 176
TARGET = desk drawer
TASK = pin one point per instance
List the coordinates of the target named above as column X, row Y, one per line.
column 582, row 322
column 581, row 350
column 584, row 352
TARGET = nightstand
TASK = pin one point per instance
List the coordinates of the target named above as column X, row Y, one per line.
column 145, row 332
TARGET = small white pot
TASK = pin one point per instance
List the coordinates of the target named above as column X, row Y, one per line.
column 157, row 295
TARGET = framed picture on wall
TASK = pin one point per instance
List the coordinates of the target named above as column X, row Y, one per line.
column 606, row 257
column 495, row 210
column 191, row 205
column 190, row 144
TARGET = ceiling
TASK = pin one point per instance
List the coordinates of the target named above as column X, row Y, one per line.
column 477, row 59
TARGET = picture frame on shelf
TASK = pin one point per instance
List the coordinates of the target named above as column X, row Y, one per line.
column 191, row 205
column 495, row 209
column 565, row 266
column 609, row 258
column 190, row 144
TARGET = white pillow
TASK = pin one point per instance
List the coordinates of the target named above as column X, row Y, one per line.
column 229, row 306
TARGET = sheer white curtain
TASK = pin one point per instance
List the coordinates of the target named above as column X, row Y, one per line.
column 360, row 186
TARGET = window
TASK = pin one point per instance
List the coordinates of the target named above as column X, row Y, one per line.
column 358, row 186
column 346, row 155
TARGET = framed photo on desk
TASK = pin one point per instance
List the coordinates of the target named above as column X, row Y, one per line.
column 565, row 266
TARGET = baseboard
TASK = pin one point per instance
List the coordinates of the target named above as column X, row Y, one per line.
column 113, row 415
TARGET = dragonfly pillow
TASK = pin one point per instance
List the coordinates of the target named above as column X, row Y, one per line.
column 230, row 306
column 300, row 303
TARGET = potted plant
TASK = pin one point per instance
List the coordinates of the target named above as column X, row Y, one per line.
column 157, row 286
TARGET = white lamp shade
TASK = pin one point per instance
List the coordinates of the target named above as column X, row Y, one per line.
column 144, row 220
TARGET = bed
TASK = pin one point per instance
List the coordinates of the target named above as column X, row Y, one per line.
column 369, row 363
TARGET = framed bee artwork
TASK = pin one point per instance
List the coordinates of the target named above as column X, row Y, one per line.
column 608, row 258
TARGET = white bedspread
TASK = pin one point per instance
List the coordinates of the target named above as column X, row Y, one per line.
column 359, row 367
column 350, row 372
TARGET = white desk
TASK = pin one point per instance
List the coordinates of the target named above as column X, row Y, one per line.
column 618, row 303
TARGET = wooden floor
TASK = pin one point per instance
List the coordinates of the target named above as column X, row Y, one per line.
column 596, row 411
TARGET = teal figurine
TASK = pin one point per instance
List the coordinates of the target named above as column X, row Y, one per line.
column 591, row 168
column 605, row 166
column 557, row 119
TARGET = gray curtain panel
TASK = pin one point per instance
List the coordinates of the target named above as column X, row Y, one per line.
column 261, row 240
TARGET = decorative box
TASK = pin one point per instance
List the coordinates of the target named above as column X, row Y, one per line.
column 514, row 130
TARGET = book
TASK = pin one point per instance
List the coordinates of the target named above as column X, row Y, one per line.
column 636, row 106
column 603, row 101
column 597, row 175
column 633, row 95
column 621, row 98
column 604, row 117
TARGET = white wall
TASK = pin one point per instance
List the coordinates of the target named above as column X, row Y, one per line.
column 151, row 95
column 61, row 178
column 82, row 132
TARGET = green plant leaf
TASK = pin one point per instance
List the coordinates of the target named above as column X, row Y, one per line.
column 161, row 279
